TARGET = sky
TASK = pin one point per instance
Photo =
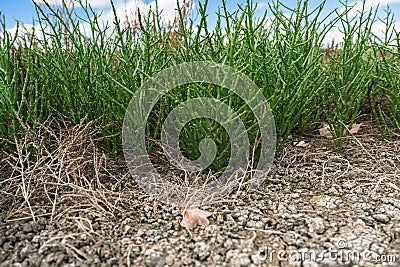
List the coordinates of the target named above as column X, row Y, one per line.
column 24, row 10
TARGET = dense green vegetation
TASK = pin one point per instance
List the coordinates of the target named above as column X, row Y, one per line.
column 61, row 69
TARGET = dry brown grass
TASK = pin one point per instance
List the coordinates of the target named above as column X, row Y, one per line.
column 59, row 165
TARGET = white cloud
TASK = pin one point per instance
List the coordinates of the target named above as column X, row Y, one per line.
column 129, row 10
column 25, row 30
column 93, row 3
column 378, row 29
column 357, row 6
column 124, row 7
column 126, row 10
column 50, row 2
column 334, row 36
column 261, row 6
column 22, row 29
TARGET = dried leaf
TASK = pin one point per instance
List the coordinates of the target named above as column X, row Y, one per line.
column 301, row 144
column 324, row 131
column 193, row 216
column 355, row 128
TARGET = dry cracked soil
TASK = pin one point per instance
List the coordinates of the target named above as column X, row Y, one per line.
column 318, row 207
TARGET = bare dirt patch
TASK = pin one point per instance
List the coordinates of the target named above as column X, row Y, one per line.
column 72, row 205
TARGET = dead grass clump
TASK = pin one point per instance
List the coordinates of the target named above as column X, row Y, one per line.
column 57, row 165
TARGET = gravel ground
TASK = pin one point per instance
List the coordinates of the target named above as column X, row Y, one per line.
column 318, row 208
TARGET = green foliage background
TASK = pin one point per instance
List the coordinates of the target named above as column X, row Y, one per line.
column 63, row 70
